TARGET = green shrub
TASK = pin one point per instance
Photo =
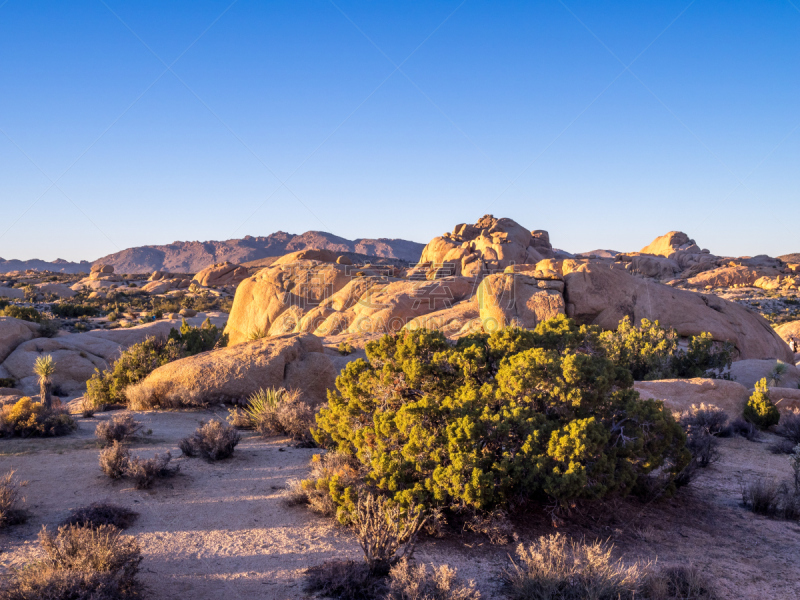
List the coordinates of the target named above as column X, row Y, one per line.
column 760, row 410
column 346, row 348
column 516, row 414
column 133, row 365
column 27, row 418
column 70, row 310
column 8, row 382
column 652, row 352
column 194, row 340
column 25, row 313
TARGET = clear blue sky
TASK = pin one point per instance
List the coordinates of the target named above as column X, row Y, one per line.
column 520, row 109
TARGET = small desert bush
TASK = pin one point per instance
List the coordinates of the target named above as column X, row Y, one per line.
column 555, row 568
column 759, row 410
column 789, row 426
column 81, row 563
column 119, row 428
column 708, row 417
column 745, row 429
column 144, row 471
column 27, row 418
column 214, row 440
column 99, row 514
column 72, row 310
column 279, row 412
column 415, row 582
column 345, row 348
column 257, row 333
column 344, row 580
column 194, row 340
column 678, row 583
column 332, row 475
column 24, row 313
column 386, row 533
column 772, row 499
column 495, row 525
column 116, row 462
column 11, row 501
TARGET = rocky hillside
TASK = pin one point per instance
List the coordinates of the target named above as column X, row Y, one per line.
column 59, row 265
column 191, row 257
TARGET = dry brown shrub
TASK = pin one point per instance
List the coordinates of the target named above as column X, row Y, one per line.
column 82, row 563
column 315, row 491
column 11, row 501
column 119, row 428
column 289, row 415
column 102, row 513
column 386, row 533
column 415, row 582
column 495, row 525
column 553, row 568
column 345, row 580
column 114, row 460
column 144, row 471
column 678, row 583
column 148, row 396
column 214, row 440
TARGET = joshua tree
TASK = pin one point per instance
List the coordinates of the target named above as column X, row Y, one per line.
column 44, row 367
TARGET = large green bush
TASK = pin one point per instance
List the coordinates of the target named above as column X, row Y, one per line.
column 497, row 418
column 72, row 310
column 651, row 352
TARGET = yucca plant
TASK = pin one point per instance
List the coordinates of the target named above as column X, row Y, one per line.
column 44, row 367
column 256, row 334
column 262, row 403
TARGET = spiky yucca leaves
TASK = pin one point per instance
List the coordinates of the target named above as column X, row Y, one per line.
column 45, row 367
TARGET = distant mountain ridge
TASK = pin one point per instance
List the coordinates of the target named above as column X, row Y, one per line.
column 59, row 265
column 191, row 257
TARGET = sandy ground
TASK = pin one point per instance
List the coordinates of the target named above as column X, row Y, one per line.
column 222, row 530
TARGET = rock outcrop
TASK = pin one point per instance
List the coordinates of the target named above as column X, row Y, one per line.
column 680, row 394
column 602, row 296
column 234, row 373
column 77, row 355
column 13, row 332
column 221, row 274
column 748, row 372
column 488, row 246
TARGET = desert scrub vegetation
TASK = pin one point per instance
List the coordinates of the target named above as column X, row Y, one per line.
column 27, row 418
column 133, row 365
column 194, row 340
column 276, row 412
column 330, row 472
column 119, row 428
column 25, row 313
column 81, row 563
column 555, row 568
column 345, row 348
column 138, row 361
column 117, row 463
column 214, row 440
column 98, row 514
column 651, row 352
column 12, row 511
column 759, row 410
column 540, row 415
